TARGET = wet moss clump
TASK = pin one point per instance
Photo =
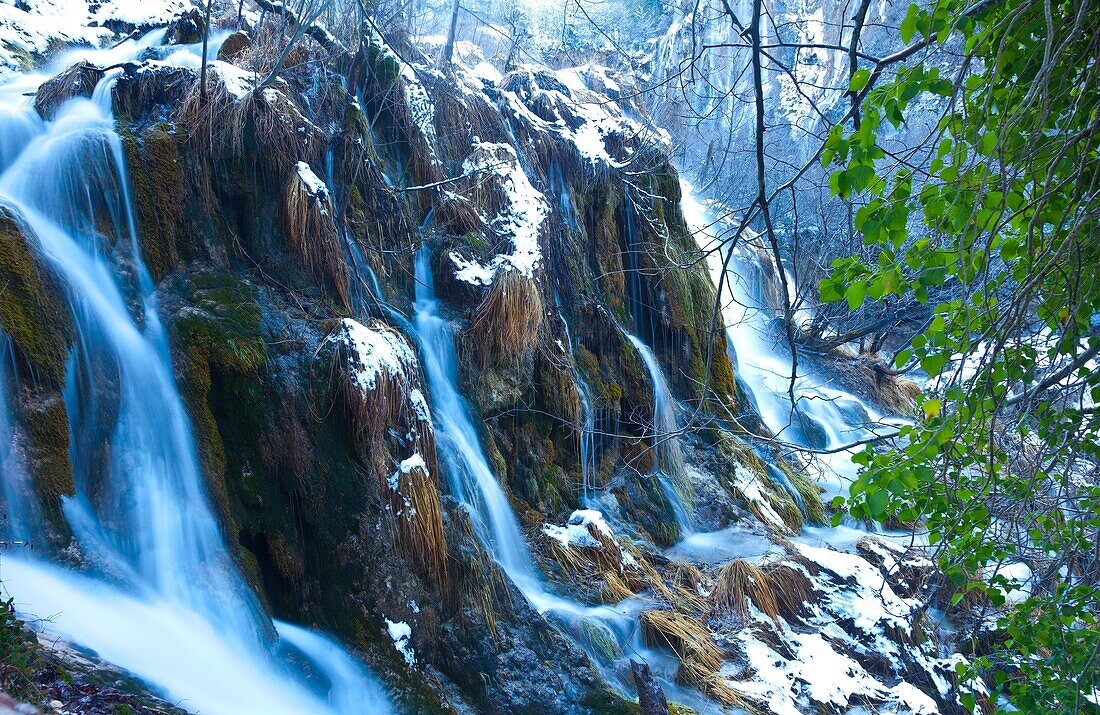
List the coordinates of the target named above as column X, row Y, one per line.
column 156, row 175
column 33, row 310
column 220, row 339
column 48, row 434
column 222, row 321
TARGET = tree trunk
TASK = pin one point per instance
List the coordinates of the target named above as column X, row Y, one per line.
column 449, row 48
column 205, row 44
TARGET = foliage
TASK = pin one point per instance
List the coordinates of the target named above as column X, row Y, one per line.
column 20, row 656
column 1001, row 203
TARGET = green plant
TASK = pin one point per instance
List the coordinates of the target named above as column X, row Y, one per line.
column 20, row 656
column 1000, row 466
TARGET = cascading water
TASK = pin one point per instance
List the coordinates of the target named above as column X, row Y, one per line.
column 171, row 606
column 671, row 470
column 473, row 482
column 21, row 515
column 822, row 417
column 472, row 479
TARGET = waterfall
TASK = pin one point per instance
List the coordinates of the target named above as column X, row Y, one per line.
column 21, row 514
column 670, row 468
column 170, row 605
column 471, row 477
column 472, row 481
column 821, row 416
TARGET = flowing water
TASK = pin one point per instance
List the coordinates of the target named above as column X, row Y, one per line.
column 472, row 481
column 164, row 600
column 821, row 417
column 670, row 468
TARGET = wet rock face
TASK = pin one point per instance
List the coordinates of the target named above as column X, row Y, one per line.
column 77, row 81
column 280, row 225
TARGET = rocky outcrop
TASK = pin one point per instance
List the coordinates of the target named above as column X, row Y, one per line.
column 280, row 222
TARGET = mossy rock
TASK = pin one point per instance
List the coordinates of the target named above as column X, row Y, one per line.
column 48, row 433
column 33, row 310
column 159, row 191
column 219, row 339
column 222, row 319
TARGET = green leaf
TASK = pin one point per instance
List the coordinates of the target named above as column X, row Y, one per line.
column 855, row 294
column 859, row 80
column 909, row 24
column 877, row 502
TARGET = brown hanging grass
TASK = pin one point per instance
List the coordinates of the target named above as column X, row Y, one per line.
column 506, row 323
column 700, row 657
column 264, row 128
column 311, row 233
column 740, row 583
column 416, row 507
column 614, row 589
column 385, row 405
column 685, row 581
column 791, row 587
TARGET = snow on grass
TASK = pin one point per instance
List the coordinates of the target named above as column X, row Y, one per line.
column 578, row 533
column 420, row 405
column 520, row 220
column 401, row 634
column 375, row 354
column 238, row 82
column 407, row 466
column 314, row 186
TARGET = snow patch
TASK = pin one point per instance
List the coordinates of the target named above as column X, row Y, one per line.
column 521, row 219
column 401, row 634
column 375, row 354
column 313, row 184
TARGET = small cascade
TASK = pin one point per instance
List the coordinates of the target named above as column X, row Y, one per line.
column 21, row 516
column 822, row 417
column 589, row 446
column 170, row 606
column 671, row 469
column 472, row 479
column 473, row 482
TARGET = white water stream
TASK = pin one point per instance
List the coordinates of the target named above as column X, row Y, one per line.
column 163, row 599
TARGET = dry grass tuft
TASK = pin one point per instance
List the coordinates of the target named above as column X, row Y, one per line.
column 311, row 233
column 740, row 583
column 386, row 402
column 614, row 588
column 790, row 586
column 415, row 504
column 700, row 657
column 506, row 323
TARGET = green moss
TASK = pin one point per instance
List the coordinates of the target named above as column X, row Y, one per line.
column 809, row 490
column 48, row 433
column 220, row 342
column 383, row 65
column 21, row 656
column 156, row 175
column 604, row 702
column 476, row 241
column 32, row 309
column 224, row 322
